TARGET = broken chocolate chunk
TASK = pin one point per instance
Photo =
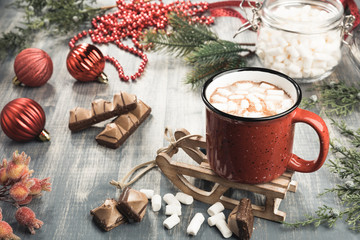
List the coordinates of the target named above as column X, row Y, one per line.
column 132, row 204
column 241, row 219
column 115, row 133
column 107, row 215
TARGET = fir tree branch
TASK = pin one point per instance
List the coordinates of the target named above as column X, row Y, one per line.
column 174, row 43
column 347, row 167
column 336, row 98
column 53, row 16
column 213, row 52
column 200, row 47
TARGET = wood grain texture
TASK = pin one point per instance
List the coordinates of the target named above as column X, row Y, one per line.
column 80, row 169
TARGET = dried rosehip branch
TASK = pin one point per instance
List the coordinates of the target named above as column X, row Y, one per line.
column 18, row 188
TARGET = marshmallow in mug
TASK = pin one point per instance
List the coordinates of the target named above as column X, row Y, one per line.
column 299, row 55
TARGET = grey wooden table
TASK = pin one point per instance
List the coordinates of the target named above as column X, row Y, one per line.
column 80, row 169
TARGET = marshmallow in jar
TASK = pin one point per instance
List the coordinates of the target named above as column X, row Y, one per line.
column 301, row 38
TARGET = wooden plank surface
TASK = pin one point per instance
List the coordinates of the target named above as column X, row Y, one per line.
column 80, row 169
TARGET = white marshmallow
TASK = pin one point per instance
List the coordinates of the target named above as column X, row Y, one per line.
column 293, row 68
column 148, row 192
column 276, row 92
column 224, row 92
column 266, row 86
column 244, row 86
column 213, row 219
column 258, row 107
column 171, row 221
column 223, row 228
column 184, row 198
column 244, row 104
column 221, row 106
column 274, row 98
column 286, row 104
column 252, row 98
column 232, row 106
column 173, row 209
column 215, row 208
column 195, row 224
column 218, row 98
column 169, row 198
column 156, row 202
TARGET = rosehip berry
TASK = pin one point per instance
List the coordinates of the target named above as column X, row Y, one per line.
column 3, row 176
column 36, row 188
column 21, row 159
column 15, row 171
column 6, row 231
column 25, row 216
column 19, row 191
column 26, row 201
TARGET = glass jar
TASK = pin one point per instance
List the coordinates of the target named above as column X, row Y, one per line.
column 301, row 38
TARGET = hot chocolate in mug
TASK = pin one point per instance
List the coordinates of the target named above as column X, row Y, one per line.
column 250, row 148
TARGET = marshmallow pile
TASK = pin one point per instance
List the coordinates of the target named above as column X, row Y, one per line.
column 299, row 55
column 173, row 209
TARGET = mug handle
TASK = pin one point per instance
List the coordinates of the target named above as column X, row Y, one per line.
column 317, row 123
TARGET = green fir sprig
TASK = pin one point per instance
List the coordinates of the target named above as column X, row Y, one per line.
column 346, row 165
column 56, row 17
column 199, row 46
column 334, row 98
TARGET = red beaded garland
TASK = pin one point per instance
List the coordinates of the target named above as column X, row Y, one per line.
column 130, row 20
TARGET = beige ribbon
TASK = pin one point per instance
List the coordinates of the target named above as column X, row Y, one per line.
column 173, row 146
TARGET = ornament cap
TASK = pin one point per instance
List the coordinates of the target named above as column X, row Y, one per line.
column 44, row 136
column 103, row 78
column 16, row 81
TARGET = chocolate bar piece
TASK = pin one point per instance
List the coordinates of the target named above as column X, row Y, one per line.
column 107, row 216
column 101, row 110
column 241, row 219
column 121, row 128
column 132, row 204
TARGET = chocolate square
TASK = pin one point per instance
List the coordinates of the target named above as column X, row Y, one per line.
column 132, row 204
column 107, row 215
column 241, row 219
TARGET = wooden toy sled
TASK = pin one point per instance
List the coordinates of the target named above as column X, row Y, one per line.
column 274, row 191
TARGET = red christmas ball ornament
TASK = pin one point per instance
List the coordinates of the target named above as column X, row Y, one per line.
column 33, row 67
column 86, row 63
column 23, row 119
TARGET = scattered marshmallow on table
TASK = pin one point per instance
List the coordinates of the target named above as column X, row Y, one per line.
column 195, row 224
column 223, row 228
column 169, row 198
column 213, row 219
column 171, row 221
column 184, row 198
column 156, row 202
column 295, row 54
column 215, row 208
column 148, row 192
column 173, row 209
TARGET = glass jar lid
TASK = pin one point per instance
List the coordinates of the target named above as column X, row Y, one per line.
column 327, row 15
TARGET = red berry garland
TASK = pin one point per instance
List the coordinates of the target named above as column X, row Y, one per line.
column 131, row 19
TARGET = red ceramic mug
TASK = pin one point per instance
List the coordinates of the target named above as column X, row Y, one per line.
column 258, row 150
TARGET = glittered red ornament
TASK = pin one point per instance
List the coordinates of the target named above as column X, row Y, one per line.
column 86, row 63
column 23, row 119
column 33, row 67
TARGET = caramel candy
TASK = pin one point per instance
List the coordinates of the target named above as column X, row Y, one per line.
column 101, row 110
column 132, row 204
column 115, row 133
column 241, row 219
column 107, row 215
